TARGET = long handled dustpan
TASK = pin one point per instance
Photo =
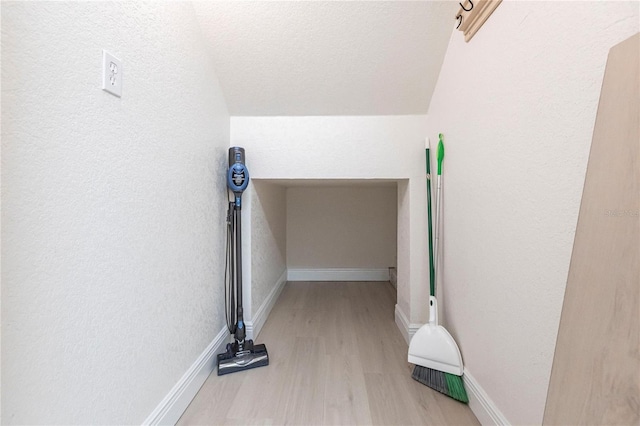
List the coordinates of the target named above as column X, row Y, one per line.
column 432, row 349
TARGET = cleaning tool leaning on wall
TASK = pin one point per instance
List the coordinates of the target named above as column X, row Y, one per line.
column 432, row 349
column 241, row 354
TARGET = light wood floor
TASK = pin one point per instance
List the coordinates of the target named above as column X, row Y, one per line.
column 336, row 357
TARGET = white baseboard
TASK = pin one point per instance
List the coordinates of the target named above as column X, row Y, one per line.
column 255, row 325
column 393, row 277
column 338, row 274
column 406, row 328
column 178, row 399
column 482, row 406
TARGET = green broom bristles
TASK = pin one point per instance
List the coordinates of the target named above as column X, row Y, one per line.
column 448, row 384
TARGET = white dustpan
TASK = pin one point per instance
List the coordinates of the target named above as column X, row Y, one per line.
column 433, row 347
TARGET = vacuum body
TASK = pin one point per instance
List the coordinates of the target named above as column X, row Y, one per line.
column 242, row 354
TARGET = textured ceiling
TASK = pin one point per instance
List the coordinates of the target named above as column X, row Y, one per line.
column 327, row 58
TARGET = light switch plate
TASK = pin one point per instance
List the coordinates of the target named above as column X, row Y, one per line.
column 111, row 74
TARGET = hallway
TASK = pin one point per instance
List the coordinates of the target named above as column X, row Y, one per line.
column 336, row 357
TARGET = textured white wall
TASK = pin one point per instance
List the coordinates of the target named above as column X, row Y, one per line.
column 341, row 227
column 517, row 106
column 268, row 239
column 361, row 147
column 113, row 209
column 404, row 246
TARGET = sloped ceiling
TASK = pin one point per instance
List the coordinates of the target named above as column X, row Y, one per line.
column 327, row 58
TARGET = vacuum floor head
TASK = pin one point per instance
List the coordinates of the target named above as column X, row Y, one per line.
column 240, row 359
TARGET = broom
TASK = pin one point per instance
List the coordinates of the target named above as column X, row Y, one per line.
column 446, row 383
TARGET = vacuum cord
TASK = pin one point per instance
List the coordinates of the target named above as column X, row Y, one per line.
column 229, row 288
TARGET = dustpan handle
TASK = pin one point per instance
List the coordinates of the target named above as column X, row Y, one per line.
column 440, row 154
column 433, row 311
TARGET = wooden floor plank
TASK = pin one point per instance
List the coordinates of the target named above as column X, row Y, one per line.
column 336, row 357
column 345, row 401
column 212, row 403
column 391, row 402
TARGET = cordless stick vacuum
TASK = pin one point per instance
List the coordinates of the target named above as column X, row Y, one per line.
column 241, row 354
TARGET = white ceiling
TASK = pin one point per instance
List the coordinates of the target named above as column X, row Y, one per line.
column 327, row 57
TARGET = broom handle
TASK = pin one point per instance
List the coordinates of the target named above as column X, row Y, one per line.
column 438, row 210
column 437, row 244
column 432, row 274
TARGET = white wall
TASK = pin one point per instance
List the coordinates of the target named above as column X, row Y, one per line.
column 404, row 247
column 341, row 227
column 326, row 147
column 517, row 107
column 113, row 209
column 356, row 147
column 268, row 239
